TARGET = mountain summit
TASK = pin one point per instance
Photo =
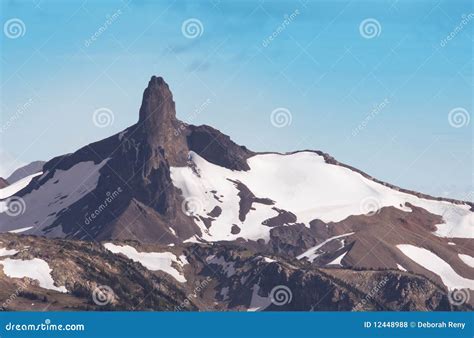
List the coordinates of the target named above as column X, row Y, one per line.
column 157, row 121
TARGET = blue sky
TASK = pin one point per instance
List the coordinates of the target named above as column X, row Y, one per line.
column 378, row 101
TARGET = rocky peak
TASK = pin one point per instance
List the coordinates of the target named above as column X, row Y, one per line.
column 158, row 121
column 157, row 104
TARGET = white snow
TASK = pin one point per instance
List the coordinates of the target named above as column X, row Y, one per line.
column 227, row 267
column 269, row 260
column 451, row 243
column 17, row 231
column 312, row 254
column 438, row 266
column 12, row 189
column 469, row 260
column 154, row 261
column 338, row 260
column 258, row 303
column 224, row 292
column 33, row 268
column 7, row 252
column 304, row 184
column 401, row 267
column 63, row 189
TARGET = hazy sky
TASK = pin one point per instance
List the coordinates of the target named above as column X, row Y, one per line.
column 370, row 82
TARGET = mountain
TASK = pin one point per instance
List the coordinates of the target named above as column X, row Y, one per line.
column 3, row 183
column 166, row 190
column 27, row 170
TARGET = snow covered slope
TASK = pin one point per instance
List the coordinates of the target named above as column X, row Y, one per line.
column 42, row 205
column 12, row 189
column 300, row 183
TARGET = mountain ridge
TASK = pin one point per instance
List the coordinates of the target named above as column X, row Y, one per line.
column 162, row 182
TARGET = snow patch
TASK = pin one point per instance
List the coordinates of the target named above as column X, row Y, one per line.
column 401, row 267
column 12, row 189
column 227, row 267
column 17, row 231
column 338, row 260
column 467, row 259
column 312, row 254
column 257, row 302
column 33, row 268
column 154, row 261
column 7, row 252
column 438, row 266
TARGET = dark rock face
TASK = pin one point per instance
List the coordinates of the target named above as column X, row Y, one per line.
column 158, row 125
column 244, row 275
column 217, row 148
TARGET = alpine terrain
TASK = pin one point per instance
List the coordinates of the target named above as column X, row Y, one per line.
column 169, row 216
